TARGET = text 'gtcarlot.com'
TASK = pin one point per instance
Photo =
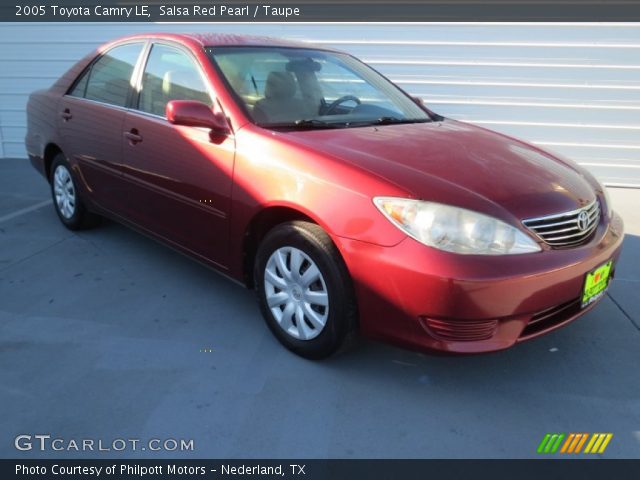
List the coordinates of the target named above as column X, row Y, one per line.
column 45, row 442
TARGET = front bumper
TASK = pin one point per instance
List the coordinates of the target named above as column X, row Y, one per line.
column 431, row 300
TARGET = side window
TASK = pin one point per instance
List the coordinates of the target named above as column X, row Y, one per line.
column 170, row 75
column 109, row 79
column 80, row 88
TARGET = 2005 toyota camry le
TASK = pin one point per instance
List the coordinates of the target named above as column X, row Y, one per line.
column 344, row 202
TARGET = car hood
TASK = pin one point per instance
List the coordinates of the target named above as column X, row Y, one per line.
column 458, row 163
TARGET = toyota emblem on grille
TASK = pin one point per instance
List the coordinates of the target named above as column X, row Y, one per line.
column 583, row 221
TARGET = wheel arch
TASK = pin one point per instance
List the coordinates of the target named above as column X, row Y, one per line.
column 260, row 224
column 50, row 152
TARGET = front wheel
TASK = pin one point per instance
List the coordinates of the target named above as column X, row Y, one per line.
column 304, row 289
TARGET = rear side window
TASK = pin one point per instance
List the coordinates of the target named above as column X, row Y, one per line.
column 109, row 78
column 170, row 74
column 81, row 86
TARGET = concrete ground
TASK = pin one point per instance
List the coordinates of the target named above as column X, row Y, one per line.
column 106, row 334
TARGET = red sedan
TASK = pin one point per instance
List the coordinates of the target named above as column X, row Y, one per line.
column 344, row 202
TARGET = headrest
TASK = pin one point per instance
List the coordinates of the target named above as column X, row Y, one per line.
column 304, row 65
column 280, row 85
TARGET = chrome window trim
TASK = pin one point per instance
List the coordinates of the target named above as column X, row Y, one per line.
column 97, row 102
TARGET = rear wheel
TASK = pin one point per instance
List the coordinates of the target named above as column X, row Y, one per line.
column 305, row 291
column 66, row 199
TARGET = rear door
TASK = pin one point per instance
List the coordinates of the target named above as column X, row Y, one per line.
column 91, row 118
column 179, row 179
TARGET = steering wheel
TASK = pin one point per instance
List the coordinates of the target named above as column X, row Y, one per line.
column 339, row 101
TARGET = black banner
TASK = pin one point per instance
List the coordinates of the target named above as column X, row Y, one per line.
column 321, row 469
column 319, row 11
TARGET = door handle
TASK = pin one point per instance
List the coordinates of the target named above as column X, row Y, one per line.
column 133, row 136
column 66, row 114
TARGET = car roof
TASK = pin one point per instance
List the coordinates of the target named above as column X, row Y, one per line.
column 212, row 39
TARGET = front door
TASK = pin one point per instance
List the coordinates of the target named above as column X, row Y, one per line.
column 179, row 180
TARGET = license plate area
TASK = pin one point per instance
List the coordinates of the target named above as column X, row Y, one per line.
column 595, row 283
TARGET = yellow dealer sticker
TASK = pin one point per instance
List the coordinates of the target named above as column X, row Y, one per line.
column 596, row 283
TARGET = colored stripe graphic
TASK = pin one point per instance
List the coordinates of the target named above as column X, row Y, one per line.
column 570, row 439
column 574, row 443
column 543, row 443
column 556, row 445
column 605, row 444
column 597, row 443
column 584, row 439
column 550, row 443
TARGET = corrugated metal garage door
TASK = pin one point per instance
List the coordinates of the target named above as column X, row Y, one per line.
column 572, row 88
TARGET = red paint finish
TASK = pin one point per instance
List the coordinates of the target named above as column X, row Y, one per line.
column 419, row 282
column 179, row 184
column 201, row 191
column 92, row 139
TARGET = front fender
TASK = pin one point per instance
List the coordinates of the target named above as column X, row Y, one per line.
column 269, row 172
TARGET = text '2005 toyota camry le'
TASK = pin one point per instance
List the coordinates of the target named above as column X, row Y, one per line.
column 345, row 203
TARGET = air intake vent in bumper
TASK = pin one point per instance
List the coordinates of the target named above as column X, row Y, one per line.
column 460, row 330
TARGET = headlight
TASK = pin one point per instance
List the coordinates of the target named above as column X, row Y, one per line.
column 455, row 229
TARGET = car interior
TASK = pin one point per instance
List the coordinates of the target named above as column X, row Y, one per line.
column 282, row 100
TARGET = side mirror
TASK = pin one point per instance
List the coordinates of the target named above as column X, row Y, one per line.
column 191, row 113
column 418, row 101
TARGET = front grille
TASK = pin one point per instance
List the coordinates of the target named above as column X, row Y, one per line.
column 566, row 229
column 461, row 330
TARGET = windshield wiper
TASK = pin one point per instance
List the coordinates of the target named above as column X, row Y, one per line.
column 313, row 123
column 304, row 123
column 392, row 120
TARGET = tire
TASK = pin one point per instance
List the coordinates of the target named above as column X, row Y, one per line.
column 300, row 290
column 66, row 198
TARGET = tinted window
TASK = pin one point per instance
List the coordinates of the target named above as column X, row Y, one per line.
column 170, row 75
column 109, row 78
column 81, row 86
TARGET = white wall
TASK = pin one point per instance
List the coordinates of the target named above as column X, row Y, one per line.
column 572, row 88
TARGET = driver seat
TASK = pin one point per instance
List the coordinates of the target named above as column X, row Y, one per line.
column 279, row 103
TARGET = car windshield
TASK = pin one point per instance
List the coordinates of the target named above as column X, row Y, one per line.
column 306, row 88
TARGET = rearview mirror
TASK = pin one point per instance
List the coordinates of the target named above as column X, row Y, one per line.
column 191, row 113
